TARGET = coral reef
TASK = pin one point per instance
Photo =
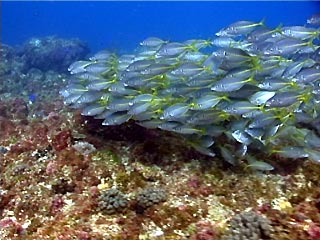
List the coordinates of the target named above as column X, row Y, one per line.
column 37, row 69
column 52, row 53
column 60, row 171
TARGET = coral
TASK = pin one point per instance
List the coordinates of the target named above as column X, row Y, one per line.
column 57, row 204
column 31, row 75
column 84, row 147
column 136, row 182
column 249, row 226
column 149, row 197
column 314, row 231
column 15, row 109
column 112, row 201
column 205, row 231
column 62, row 186
column 62, row 140
column 52, row 53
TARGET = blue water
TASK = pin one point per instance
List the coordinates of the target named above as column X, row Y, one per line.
column 122, row 25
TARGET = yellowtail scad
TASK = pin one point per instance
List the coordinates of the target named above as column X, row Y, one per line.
column 255, row 87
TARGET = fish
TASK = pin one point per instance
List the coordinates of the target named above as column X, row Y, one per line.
column 263, row 33
column 283, row 99
column 239, row 28
column 228, row 155
column 229, row 84
column 295, row 67
column 201, row 144
column 207, row 101
column 126, row 59
column 213, row 130
column 150, row 124
column 308, row 75
column 139, row 65
column 314, row 20
column 172, row 49
column 98, row 68
column 262, row 120
column 156, row 69
column 175, row 111
column 312, row 140
column 261, row 97
column 291, row 152
column 199, row 80
column 214, row 63
column 300, row 32
column 104, row 55
column 90, row 96
column 143, row 98
column 138, row 81
column 169, row 125
column 197, row 44
column 258, row 165
column 187, row 70
column 32, row 97
column 242, row 137
column 203, row 150
column 252, row 87
column 79, row 67
column 119, row 104
column 224, row 42
column 187, row 129
column 153, row 42
column 241, row 107
column 126, row 75
column 286, row 46
column 204, row 117
column 197, row 57
column 139, row 108
column 100, row 84
column 232, row 55
column 70, row 99
column 205, row 141
column 313, row 155
column 119, row 89
column 274, row 84
column 75, row 89
column 86, row 77
column 93, row 109
column 116, row 118
column 256, row 133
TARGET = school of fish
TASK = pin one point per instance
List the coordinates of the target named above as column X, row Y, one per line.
column 251, row 89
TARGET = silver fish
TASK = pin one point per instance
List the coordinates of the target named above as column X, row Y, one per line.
column 283, row 99
column 300, row 32
column 187, row 70
column 79, row 67
column 104, row 55
column 93, row 109
column 175, row 111
column 152, row 42
column 239, row 28
column 116, row 118
column 308, row 75
column 171, row 50
column 229, row 84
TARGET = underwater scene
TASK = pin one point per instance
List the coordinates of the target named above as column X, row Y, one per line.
column 160, row 120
